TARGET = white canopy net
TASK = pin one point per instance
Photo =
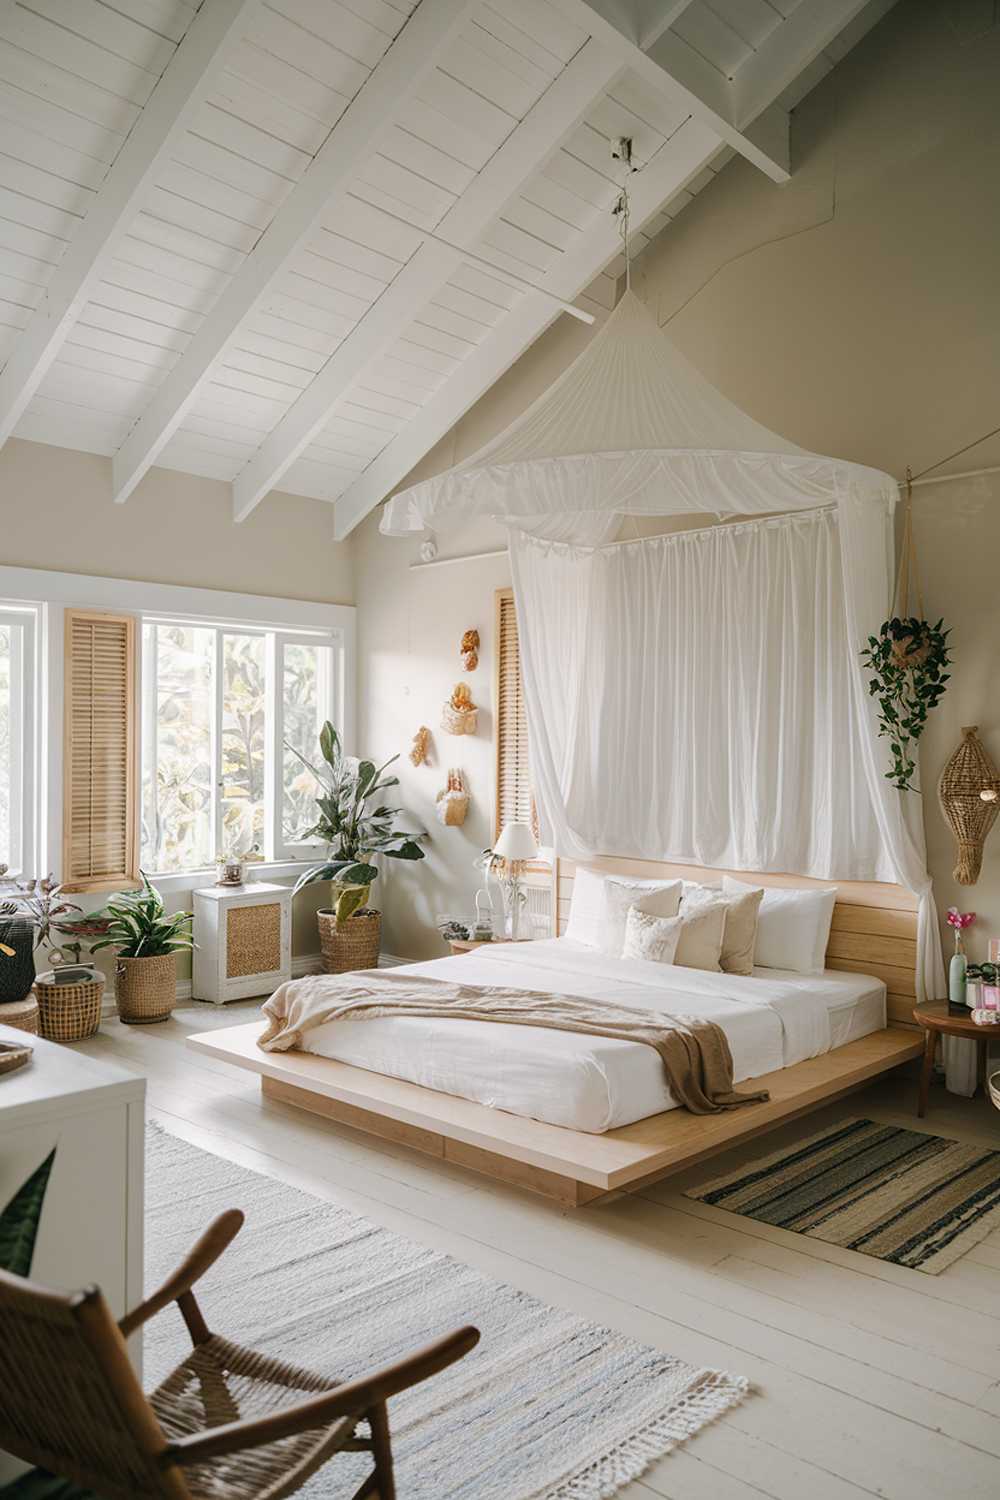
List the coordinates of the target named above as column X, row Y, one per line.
column 698, row 696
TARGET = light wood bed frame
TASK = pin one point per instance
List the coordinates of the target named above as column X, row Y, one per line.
column 873, row 932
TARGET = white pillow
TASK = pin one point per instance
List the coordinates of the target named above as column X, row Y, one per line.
column 657, row 898
column 793, row 927
column 653, row 938
column 700, row 943
column 586, row 910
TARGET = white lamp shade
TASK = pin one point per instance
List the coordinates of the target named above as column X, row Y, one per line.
column 516, row 842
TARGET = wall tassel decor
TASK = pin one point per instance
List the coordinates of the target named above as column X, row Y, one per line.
column 969, row 793
column 460, row 715
column 421, row 748
column 453, row 801
column 469, row 650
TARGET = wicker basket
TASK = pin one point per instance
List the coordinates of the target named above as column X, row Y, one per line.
column 69, row 1012
column 12, row 1057
column 993, row 1087
column 355, row 946
column 146, row 989
column 21, row 1014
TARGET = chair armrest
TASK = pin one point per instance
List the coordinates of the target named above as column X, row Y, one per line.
column 351, row 1400
column 217, row 1237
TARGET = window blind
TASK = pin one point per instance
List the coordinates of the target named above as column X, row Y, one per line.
column 515, row 802
column 100, row 845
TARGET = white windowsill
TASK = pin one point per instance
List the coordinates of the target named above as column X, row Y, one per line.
column 192, row 880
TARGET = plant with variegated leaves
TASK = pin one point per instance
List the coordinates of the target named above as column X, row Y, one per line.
column 354, row 830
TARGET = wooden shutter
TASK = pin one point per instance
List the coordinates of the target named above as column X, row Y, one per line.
column 515, row 803
column 100, row 791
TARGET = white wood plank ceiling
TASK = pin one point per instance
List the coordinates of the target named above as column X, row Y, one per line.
column 287, row 243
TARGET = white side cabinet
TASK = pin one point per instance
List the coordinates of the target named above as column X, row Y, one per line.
column 243, row 941
column 92, row 1115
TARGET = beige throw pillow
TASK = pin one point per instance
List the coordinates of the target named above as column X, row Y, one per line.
column 652, row 938
column 700, row 945
column 739, row 936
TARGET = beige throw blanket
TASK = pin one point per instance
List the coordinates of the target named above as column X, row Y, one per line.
column 695, row 1053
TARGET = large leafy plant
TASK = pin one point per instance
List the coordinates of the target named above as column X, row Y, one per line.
column 353, row 823
column 20, row 1219
column 908, row 662
column 136, row 923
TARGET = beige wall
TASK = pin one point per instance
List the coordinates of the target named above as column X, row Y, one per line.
column 854, row 310
column 57, row 512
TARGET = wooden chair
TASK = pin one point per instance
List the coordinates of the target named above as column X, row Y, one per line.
column 227, row 1424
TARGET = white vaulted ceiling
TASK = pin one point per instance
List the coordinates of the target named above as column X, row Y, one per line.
column 287, row 243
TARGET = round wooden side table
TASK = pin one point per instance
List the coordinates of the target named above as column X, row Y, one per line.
column 936, row 1021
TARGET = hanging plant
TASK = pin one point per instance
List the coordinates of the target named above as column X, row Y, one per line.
column 908, row 661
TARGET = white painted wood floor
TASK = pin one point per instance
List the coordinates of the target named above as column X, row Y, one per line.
column 869, row 1379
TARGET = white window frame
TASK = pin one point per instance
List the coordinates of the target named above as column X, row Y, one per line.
column 47, row 595
column 23, row 623
column 276, row 847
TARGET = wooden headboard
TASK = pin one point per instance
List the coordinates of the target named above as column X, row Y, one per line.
column 874, row 928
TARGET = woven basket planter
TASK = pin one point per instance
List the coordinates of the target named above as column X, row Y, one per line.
column 146, row 989
column 355, row 946
column 17, row 971
column 69, row 1012
column 21, row 1014
column 993, row 1086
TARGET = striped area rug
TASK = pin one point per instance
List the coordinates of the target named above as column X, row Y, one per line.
column 913, row 1199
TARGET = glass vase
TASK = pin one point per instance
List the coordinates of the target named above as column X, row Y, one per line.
column 956, row 978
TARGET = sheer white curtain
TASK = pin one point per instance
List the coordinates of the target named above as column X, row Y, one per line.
column 698, row 697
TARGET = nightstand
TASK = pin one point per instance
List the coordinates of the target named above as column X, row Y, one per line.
column 243, row 937
column 466, row 945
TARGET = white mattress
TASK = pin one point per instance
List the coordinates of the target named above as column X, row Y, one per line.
column 771, row 1018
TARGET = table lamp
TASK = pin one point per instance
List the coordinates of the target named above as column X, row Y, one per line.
column 515, row 846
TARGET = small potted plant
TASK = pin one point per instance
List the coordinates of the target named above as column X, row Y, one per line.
column 148, row 942
column 354, row 831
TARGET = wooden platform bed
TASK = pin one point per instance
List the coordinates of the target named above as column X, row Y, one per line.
column 874, row 932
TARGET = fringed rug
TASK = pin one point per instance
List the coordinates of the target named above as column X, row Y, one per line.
column 547, row 1407
column 900, row 1195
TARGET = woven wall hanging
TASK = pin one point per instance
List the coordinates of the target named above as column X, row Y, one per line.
column 460, row 715
column 469, row 650
column 966, row 777
column 453, row 801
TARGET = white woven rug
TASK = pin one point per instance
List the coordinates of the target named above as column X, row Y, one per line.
column 547, row 1407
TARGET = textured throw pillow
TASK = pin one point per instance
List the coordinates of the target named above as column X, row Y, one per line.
column 740, row 933
column 657, row 898
column 700, row 944
column 793, row 926
column 653, row 938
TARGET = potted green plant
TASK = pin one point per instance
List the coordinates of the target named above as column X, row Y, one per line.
column 356, row 828
column 148, row 941
column 908, row 661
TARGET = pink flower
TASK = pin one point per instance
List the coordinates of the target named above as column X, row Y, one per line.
column 960, row 919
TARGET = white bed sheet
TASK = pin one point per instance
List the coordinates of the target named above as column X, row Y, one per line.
column 771, row 1018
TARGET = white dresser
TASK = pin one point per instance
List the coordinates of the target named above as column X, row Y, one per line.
column 91, row 1225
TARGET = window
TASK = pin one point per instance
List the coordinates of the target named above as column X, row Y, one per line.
column 17, row 740
column 221, row 707
column 515, row 801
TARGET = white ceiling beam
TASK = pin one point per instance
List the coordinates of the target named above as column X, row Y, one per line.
column 685, row 155
column 355, row 137
column 789, row 49
column 674, row 68
column 642, row 21
column 188, row 79
column 550, row 120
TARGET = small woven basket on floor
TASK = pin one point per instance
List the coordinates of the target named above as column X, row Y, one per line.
column 146, row 988
column 993, row 1085
column 355, row 946
column 69, row 1012
column 21, row 1014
